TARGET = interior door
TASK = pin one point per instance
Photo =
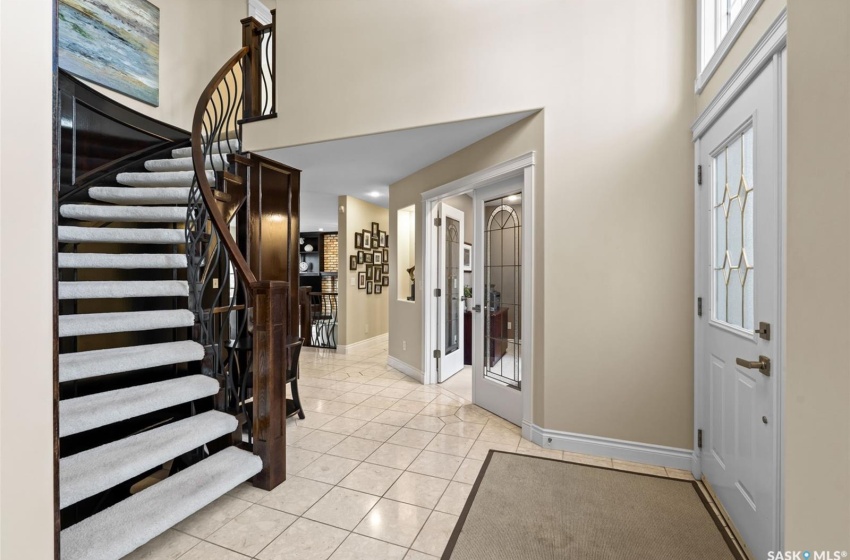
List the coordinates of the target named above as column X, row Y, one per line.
column 739, row 276
column 450, row 285
column 497, row 294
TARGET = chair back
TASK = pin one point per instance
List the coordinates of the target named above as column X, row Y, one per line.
column 295, row 354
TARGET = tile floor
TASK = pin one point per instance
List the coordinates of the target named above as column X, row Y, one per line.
column 380, row 469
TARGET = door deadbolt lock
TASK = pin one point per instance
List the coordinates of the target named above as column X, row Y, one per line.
column 763, row 365
column 477, row 308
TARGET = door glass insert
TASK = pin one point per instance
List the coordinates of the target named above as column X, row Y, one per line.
column 452, row 315
column 502, row 290
column 733, row 259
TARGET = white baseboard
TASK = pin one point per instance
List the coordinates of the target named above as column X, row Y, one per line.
column 406, row 369
column 646, row 453
column 347, row 348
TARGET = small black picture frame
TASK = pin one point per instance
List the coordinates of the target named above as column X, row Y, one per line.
column 368, row 288
column 361, row 280
column 378, row 257
column 368, row 257
column 358, row 240
column 385, row 280
column 386, row 255
column 376, row 227
column 375, row 242
column 385, row 268
column 382, row 239
column 367, row 239
column 352, row 262
column 361, row 257
column 378, row 288
column 370, row 271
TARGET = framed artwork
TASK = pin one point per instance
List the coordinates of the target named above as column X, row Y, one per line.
column 386, row 255
column 361, row 257
column 114, row 44
column 370, row 271
column 376, row 228
column 361, row 280
column 467, row 257
column 382, row 239
column 367, row 239
column 378, row 257
column 368, row 288
column 352, row 262
column 385, row 280
column 358, row 240
column 368, row 257
column 377, row 288
column 375, row 242
column 377, row 275
column 385, row 268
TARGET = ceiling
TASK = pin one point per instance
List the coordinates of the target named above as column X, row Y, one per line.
column 365, row 166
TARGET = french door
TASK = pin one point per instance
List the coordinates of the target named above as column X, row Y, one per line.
column 738, row 277
column 450, row 285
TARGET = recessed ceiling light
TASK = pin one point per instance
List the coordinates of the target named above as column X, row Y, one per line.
column 321, row 229
column 374, row 194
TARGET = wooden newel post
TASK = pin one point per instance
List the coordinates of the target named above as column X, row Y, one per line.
column 252, row 68
column 271, row 312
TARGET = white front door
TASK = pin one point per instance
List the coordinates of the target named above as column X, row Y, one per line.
column 497, row 358
column 450, row 286
column 738, row 252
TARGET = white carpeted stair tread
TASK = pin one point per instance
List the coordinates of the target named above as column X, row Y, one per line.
column 184, row 164
column 101, row 409
column 126, row 195
column 90, row 472
column 127, row 261
column 126, row 321
column 120, row 529
column 161, row 178
column 100, row 213
column 92, row 363
column 222, row 147
column 123, row 289
column 151, row 236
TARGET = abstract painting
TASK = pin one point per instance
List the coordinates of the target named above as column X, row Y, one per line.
column 114, row 43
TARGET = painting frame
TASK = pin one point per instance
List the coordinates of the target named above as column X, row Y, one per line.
column 361, row 280
column 358, row 240
column 385, row 268
column 352, row 262
column 376, row 228
column 378, row 289
column 367, row 239
column 367, row 257
column 361, row 257
column 385, row 281
column 369, row 288
column 467, row 257
column 378, row 257
column 382, row 239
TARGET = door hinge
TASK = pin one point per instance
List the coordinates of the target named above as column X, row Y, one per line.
column 437, row 354
column 699, row 439
column 699, row 174
column 438, row 292
column 438, row 222
column 699, row 307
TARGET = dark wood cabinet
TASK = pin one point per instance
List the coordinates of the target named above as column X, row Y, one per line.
column 498, row 336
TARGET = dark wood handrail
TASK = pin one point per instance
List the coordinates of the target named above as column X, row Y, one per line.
column 198, row 163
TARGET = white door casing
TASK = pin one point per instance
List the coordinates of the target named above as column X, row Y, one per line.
column 739, row 260
column 450, row 335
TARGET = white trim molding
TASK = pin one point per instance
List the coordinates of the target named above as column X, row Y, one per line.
column 348, row 348
column 406, row 369
column 482, row 178
column 259, row 11
column 647, row 453
column 771, row 43
column 744, row 16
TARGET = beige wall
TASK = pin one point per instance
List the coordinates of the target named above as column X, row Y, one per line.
column 26, row 312
column 361, row 316
column 196, row 37
column 817, row 385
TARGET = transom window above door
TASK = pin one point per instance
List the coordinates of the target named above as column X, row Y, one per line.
column 719, row 22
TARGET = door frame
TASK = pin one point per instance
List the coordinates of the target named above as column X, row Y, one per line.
column 770, row 50
column 520, row 166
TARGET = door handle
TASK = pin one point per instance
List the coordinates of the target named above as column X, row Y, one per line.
column 763, row 365
column 477, row 309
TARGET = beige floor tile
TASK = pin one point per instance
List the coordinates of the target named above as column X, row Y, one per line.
column 334, row 407
column 295, row 432
column 439, row 410
column 394, row 392
column 394, row 418
column 297, row 459
column 344, row 426
column 426, row 423
column 393, row 522
column 499, row 435
column 418, row 490
column 638, row 468
column 168, row 546
column 395, row 456
column 454, row 498
column 352, row 398
column 368, row 389
column 305, row 540
column 417, row 439
column 376, row 431
column 319, row 441
column 209, row 519
column 252, row 530
column 436, row 464
column 419, row 396
column 344, row 387
column 381, row 382
column 463, row 429
column 358, row 547
column 314, row 420
column 329, row 469
column 474, row 414
column 412, row 407
column 468, row 471
column 544, row 453
column 377, row 401
column 679, row 474
column 246, row 491
column 416, row 555
column 481, row 448
column 355, row 448
column 435, row 534
column 587, row 459
column 450, row 445
column 296, row 495
column 207, row 551
column 363, row 412
column 342, row 508
column 371, row 478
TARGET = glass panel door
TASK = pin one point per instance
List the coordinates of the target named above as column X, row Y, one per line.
column 452, row 272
